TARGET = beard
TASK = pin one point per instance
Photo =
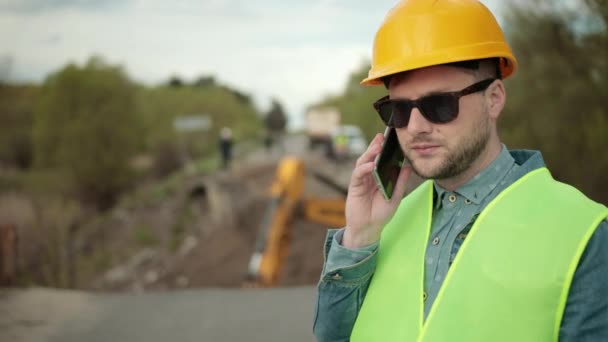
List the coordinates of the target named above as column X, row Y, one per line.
column 460, row 159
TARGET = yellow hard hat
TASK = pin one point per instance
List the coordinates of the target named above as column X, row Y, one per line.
column 422, row 33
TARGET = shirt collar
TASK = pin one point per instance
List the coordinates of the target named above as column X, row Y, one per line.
column 478, row 187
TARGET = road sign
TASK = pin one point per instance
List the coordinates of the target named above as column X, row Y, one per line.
column 188, row 123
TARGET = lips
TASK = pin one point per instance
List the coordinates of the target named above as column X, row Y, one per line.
column 424, row 149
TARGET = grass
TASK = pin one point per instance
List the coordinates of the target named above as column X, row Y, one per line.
column 34, row 181
column 178, row 230
column 144, row 236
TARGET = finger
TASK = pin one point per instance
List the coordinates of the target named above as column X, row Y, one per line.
column 372, row 150
column 404, row 175
column 360, row 174
column 373, row 145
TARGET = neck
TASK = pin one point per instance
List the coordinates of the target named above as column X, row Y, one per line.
column 486, row 157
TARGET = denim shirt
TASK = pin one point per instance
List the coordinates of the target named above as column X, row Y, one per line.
column 347, row 273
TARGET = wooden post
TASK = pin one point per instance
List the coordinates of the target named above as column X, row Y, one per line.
column 8, row 254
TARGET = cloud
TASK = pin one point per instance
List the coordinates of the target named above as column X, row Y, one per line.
column 38, row 6
column 51, row 39
column 297, row 51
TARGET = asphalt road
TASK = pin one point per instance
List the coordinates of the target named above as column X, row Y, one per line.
column 33, row 315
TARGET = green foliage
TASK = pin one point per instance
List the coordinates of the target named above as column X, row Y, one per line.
column 276, row 120
column 355, row 103
column 35, row 182
column 144, row 236
column 86, row 126
column 51, row 244
column 557, row 100
column 180, row 227
column 16, row 117
column 86, row 123
column 158, row 107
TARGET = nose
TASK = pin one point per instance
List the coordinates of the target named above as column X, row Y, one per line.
column 418, row 123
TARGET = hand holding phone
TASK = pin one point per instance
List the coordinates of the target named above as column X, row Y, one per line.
column 367, row 207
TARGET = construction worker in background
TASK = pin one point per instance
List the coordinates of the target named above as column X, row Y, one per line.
column 225, row 144
column 490, row 247
column 340, row 146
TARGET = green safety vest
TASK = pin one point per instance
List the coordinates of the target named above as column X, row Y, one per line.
column 509, row 281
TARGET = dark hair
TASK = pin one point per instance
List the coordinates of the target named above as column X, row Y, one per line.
column 469, row 65
column 474, row 65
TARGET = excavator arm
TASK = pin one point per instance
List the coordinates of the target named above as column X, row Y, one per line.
column 286, row 202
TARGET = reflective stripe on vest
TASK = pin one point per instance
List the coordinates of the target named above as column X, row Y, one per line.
column 509, row 281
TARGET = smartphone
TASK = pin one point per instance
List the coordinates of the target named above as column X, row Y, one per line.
column 388, row 163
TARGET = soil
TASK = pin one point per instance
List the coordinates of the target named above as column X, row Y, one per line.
column 191, row 230
column 220, row 234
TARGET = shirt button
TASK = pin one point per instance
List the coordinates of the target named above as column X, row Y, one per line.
column 424, row 296
column 436, row 241
column 452, row 198
column 336, row 276
column 467, row 201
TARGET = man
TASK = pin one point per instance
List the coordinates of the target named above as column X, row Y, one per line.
column 225, row 145
column 490, row 248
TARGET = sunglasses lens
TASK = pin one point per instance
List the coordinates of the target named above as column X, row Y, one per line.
column 435, row 108
column 395, row 113
column 439, row 108
column 402, row 111
column 386, row 111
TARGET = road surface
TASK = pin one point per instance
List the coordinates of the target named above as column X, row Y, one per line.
column 40, row 314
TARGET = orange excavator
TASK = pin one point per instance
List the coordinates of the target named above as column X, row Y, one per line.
column 286, row 202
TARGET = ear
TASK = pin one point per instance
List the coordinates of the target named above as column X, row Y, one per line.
column 496, row 96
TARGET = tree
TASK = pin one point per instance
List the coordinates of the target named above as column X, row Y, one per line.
column 16, row 117
column 557, row 100
column 86, row 127
column 175, row 82
column 276, row 121
column 158, row 107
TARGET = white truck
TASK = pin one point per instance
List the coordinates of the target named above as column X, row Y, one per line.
column 320, row 123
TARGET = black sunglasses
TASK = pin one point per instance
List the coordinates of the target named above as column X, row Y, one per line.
column 437, row 108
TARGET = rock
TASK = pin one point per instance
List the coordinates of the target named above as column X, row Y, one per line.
column 116, row 275
column 189, row 243
column 182, row 281
column 151, row 277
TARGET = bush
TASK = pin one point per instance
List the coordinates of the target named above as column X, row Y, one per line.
column 85, row 125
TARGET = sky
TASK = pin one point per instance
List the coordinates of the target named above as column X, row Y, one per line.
column 295, row 51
